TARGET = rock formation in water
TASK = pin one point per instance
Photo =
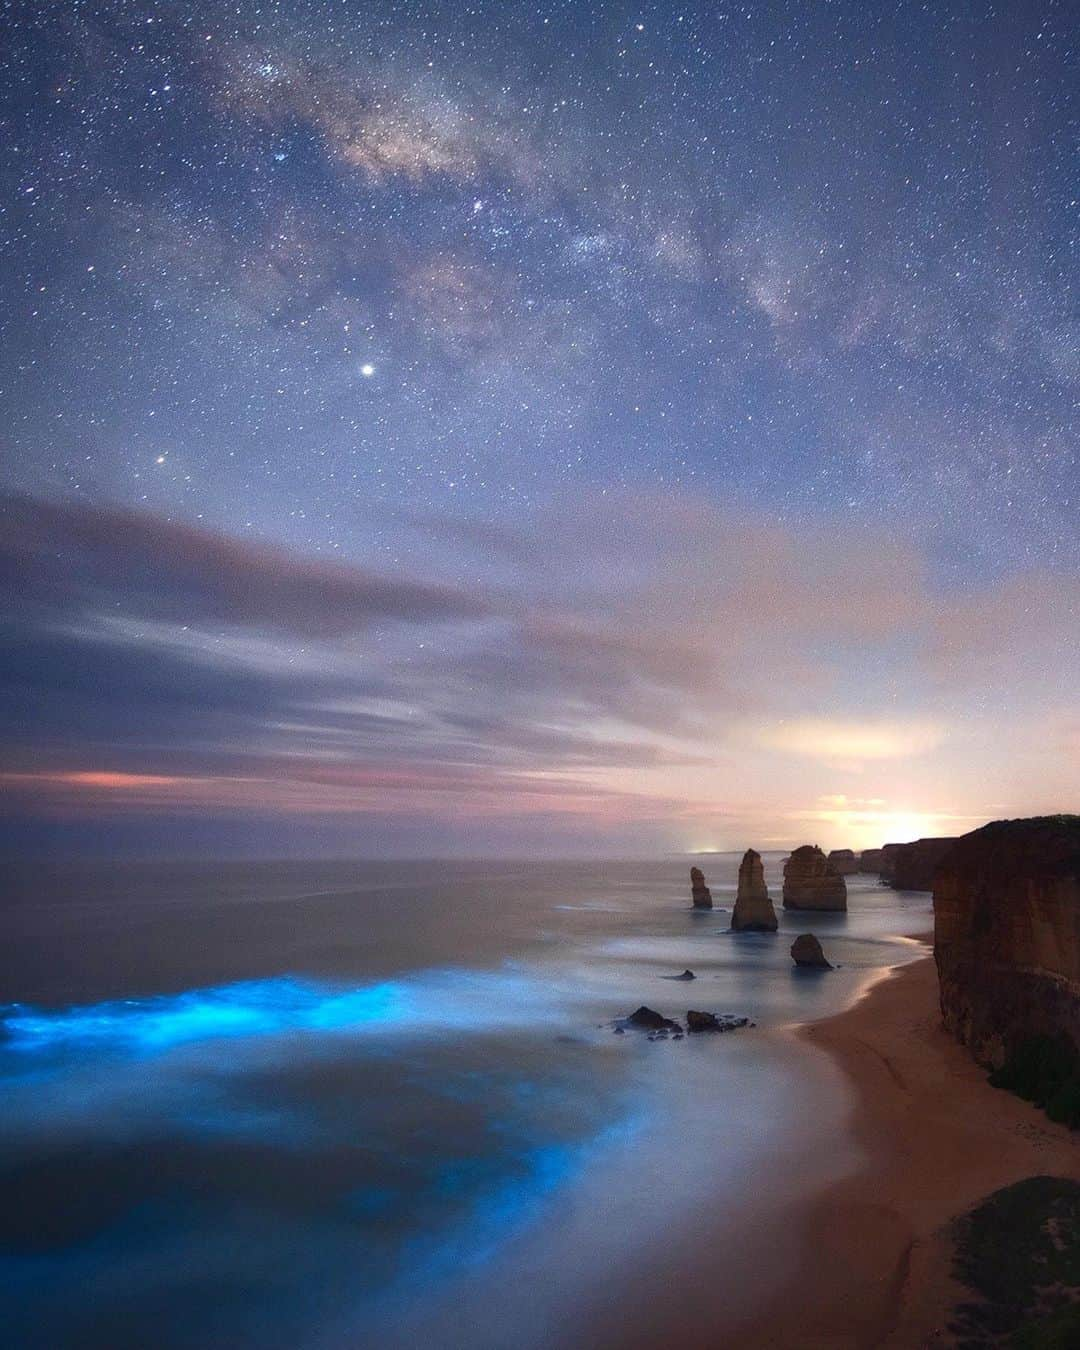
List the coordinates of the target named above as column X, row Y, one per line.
column 648, row 1019
column 1007, row 947
column 806, row 951
column 753, row 912
column 843, row 861
column 811, row 883
column 699, row 892
column 870, row 860
column 707, row 1021
column 911, row 867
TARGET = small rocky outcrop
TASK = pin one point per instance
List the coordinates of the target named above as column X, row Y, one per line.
column 811, row 882
column 648, row 1019
column 699, row 892
column 753, row 912
column 912, row 867
column 686, row 975
column 707, row 1021
column 1007, row 942
column 806, row 952
column 870, row 860
column 843, row 860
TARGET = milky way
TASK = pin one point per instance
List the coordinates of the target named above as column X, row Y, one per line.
column 488, row 425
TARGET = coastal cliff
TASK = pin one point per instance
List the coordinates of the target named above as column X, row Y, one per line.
column 843, row 860
column 911, row 867
column 1007, row 937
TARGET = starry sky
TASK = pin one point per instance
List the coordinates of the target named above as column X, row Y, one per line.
column 550, row 428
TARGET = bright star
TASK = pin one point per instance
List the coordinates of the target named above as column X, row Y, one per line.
column 367, row 371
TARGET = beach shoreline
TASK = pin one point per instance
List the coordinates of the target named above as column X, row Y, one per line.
column 875, row 1252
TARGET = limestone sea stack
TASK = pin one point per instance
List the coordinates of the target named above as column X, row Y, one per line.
column 843, row 861
column 1007, row 937
column 870, row 860
column 699, row 892
column 753, row 912
column 810, row 882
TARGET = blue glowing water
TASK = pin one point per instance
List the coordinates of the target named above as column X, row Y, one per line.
column 450, row 1000
column 291, row 1107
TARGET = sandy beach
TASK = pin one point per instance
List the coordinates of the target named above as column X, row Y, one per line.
column 876, row 1255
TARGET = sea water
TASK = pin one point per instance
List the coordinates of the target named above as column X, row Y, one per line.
column 287, row 1105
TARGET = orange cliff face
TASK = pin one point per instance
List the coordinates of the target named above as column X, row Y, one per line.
column 1007, row 934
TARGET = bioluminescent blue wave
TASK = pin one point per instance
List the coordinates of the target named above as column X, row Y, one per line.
column 449, row 999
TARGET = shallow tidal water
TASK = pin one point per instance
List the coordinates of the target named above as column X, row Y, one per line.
column 347, row 1105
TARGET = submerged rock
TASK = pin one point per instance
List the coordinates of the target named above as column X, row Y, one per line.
column 806, row 951
column 811, row 882
column 706, row 1021
column 753, row 912
column 699, row 892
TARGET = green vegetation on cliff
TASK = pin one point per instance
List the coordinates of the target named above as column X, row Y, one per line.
column 1019, row 1253
column 1045, row 1070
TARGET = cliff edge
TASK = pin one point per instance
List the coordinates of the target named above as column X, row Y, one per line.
column 1007, row 938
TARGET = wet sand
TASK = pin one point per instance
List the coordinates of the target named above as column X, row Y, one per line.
column 875, row 1252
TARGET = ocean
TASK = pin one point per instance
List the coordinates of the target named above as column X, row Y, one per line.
column 310, row 1106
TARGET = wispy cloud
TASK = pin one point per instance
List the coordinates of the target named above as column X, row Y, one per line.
column 623, row 658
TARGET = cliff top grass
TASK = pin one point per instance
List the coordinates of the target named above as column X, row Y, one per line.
column 1043, row 843
column 1064, row 820
column 1019, row 1254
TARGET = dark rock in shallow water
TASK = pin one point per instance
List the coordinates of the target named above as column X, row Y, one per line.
column 706, row 1021
column 806, row 952
column 699, row 892
column 686, row 975
column 648, row 1019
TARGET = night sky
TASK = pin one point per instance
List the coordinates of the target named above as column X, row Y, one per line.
column 546, row 429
